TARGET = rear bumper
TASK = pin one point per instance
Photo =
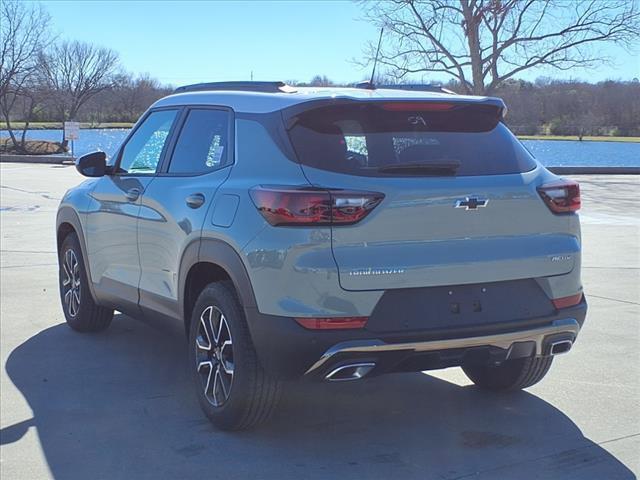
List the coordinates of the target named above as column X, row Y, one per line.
column 288, row 350
column 524, row 343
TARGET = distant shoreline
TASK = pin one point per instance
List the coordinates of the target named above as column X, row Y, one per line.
column 120, row 125
column 586, row 138
column 58, row 126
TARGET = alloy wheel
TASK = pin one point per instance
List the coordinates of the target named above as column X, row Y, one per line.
column 71, row 282
column 214, row 356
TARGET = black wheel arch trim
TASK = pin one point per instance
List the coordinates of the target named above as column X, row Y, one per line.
column 220, row 253
column 67, row 215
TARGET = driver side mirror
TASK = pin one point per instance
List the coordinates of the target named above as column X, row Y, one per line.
column 92, row 164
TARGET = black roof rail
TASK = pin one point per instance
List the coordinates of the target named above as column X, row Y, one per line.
column 265, row 87
column 423, row 87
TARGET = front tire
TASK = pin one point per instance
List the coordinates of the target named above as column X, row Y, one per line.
column 80, row 310
column 510, row 375
column 232, row 388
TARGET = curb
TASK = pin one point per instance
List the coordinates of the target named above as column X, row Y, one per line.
column 59, row 159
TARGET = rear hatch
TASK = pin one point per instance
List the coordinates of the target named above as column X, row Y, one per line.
column 460, row 203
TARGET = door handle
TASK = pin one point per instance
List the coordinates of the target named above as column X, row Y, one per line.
column 132, row 194
column 195, row 200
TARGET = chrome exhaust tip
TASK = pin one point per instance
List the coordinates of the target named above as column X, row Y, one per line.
column 352, row 371
column 560, row 347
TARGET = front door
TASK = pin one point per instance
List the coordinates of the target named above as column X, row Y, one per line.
column 112, row 244
column 175, row 204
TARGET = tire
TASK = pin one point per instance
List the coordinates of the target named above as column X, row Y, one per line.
column 80, row 310
column 232, row 388
column 511, row 375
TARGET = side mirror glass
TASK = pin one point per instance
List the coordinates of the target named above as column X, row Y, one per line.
column 92, row 164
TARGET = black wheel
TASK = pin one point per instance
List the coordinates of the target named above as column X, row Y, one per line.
column 513, row 374
column 232, row 388
column 80, row 310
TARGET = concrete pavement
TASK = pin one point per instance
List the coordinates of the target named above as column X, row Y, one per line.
column 119, row 404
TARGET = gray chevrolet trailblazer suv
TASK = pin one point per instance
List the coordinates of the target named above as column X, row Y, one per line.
column 326, row 233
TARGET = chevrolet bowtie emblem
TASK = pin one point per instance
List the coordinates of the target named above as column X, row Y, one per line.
column 472, row 203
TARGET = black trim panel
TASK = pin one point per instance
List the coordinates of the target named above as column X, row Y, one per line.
column 69, row 215
column 222, row 254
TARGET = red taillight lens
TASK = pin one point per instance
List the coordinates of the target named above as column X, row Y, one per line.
column 565, row 302
column 339, row 323
column 418, row 107
column 290, row 206
column 562, row 196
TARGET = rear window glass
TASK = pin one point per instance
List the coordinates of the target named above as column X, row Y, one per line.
column 370, row 140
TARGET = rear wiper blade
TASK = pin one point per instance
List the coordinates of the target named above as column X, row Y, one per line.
column 442, row 168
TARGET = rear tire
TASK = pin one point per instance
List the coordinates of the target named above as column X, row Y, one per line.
column 80, row 310
column 233, row 389
column 510, row 375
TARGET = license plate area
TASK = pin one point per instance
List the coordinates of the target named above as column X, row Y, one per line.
column 459, row 306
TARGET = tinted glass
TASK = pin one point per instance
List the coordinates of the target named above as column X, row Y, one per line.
column 202, row 144
column 142, row 152
column 367, row 140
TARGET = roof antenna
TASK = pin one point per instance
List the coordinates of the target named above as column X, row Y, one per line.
column 375, row 61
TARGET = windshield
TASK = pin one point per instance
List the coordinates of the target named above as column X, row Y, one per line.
column 368, row 139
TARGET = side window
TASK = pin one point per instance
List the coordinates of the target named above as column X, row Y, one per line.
column 142, row 151
column 203, row 142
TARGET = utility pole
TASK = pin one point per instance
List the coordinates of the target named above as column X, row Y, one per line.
column 252, row 75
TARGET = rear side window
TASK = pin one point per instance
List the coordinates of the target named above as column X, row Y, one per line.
column 203, row 142
column 368, row 139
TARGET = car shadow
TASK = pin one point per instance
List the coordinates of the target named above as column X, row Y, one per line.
column 119, row 405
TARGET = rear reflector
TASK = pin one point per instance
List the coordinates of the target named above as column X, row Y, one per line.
column 338, row 323
column 565, row 302
column 418, row 107
column 292, row 206
column 562, row 196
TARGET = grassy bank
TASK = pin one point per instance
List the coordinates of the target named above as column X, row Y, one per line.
column 585, row 138
column 33, row 147
column 58, row 125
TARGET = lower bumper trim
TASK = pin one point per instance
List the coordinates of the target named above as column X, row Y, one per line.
column 569, row 327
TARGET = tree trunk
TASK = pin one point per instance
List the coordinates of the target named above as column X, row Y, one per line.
column 14, row 140
column 23, row 137
column 27, row 121
column 63, row 117
column 472, row 25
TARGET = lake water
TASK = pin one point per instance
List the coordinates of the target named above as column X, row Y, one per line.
column 548, row 152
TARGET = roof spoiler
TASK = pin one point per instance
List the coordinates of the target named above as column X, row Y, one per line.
column 422, row 87
column 264, row 87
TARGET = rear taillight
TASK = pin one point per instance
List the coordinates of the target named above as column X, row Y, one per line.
column 562, row 196
column 339, row 323
column 291, row 206
column 565, row 302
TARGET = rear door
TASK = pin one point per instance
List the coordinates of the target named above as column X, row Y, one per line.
column 460, row 202
column 175, row 203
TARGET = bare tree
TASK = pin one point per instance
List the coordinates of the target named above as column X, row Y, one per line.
column 134, row 95
column 75, row 72
column 321, row 81
column 483, row 43
column 23, row 34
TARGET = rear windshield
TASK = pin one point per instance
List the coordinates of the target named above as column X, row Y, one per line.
column 372, row 140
